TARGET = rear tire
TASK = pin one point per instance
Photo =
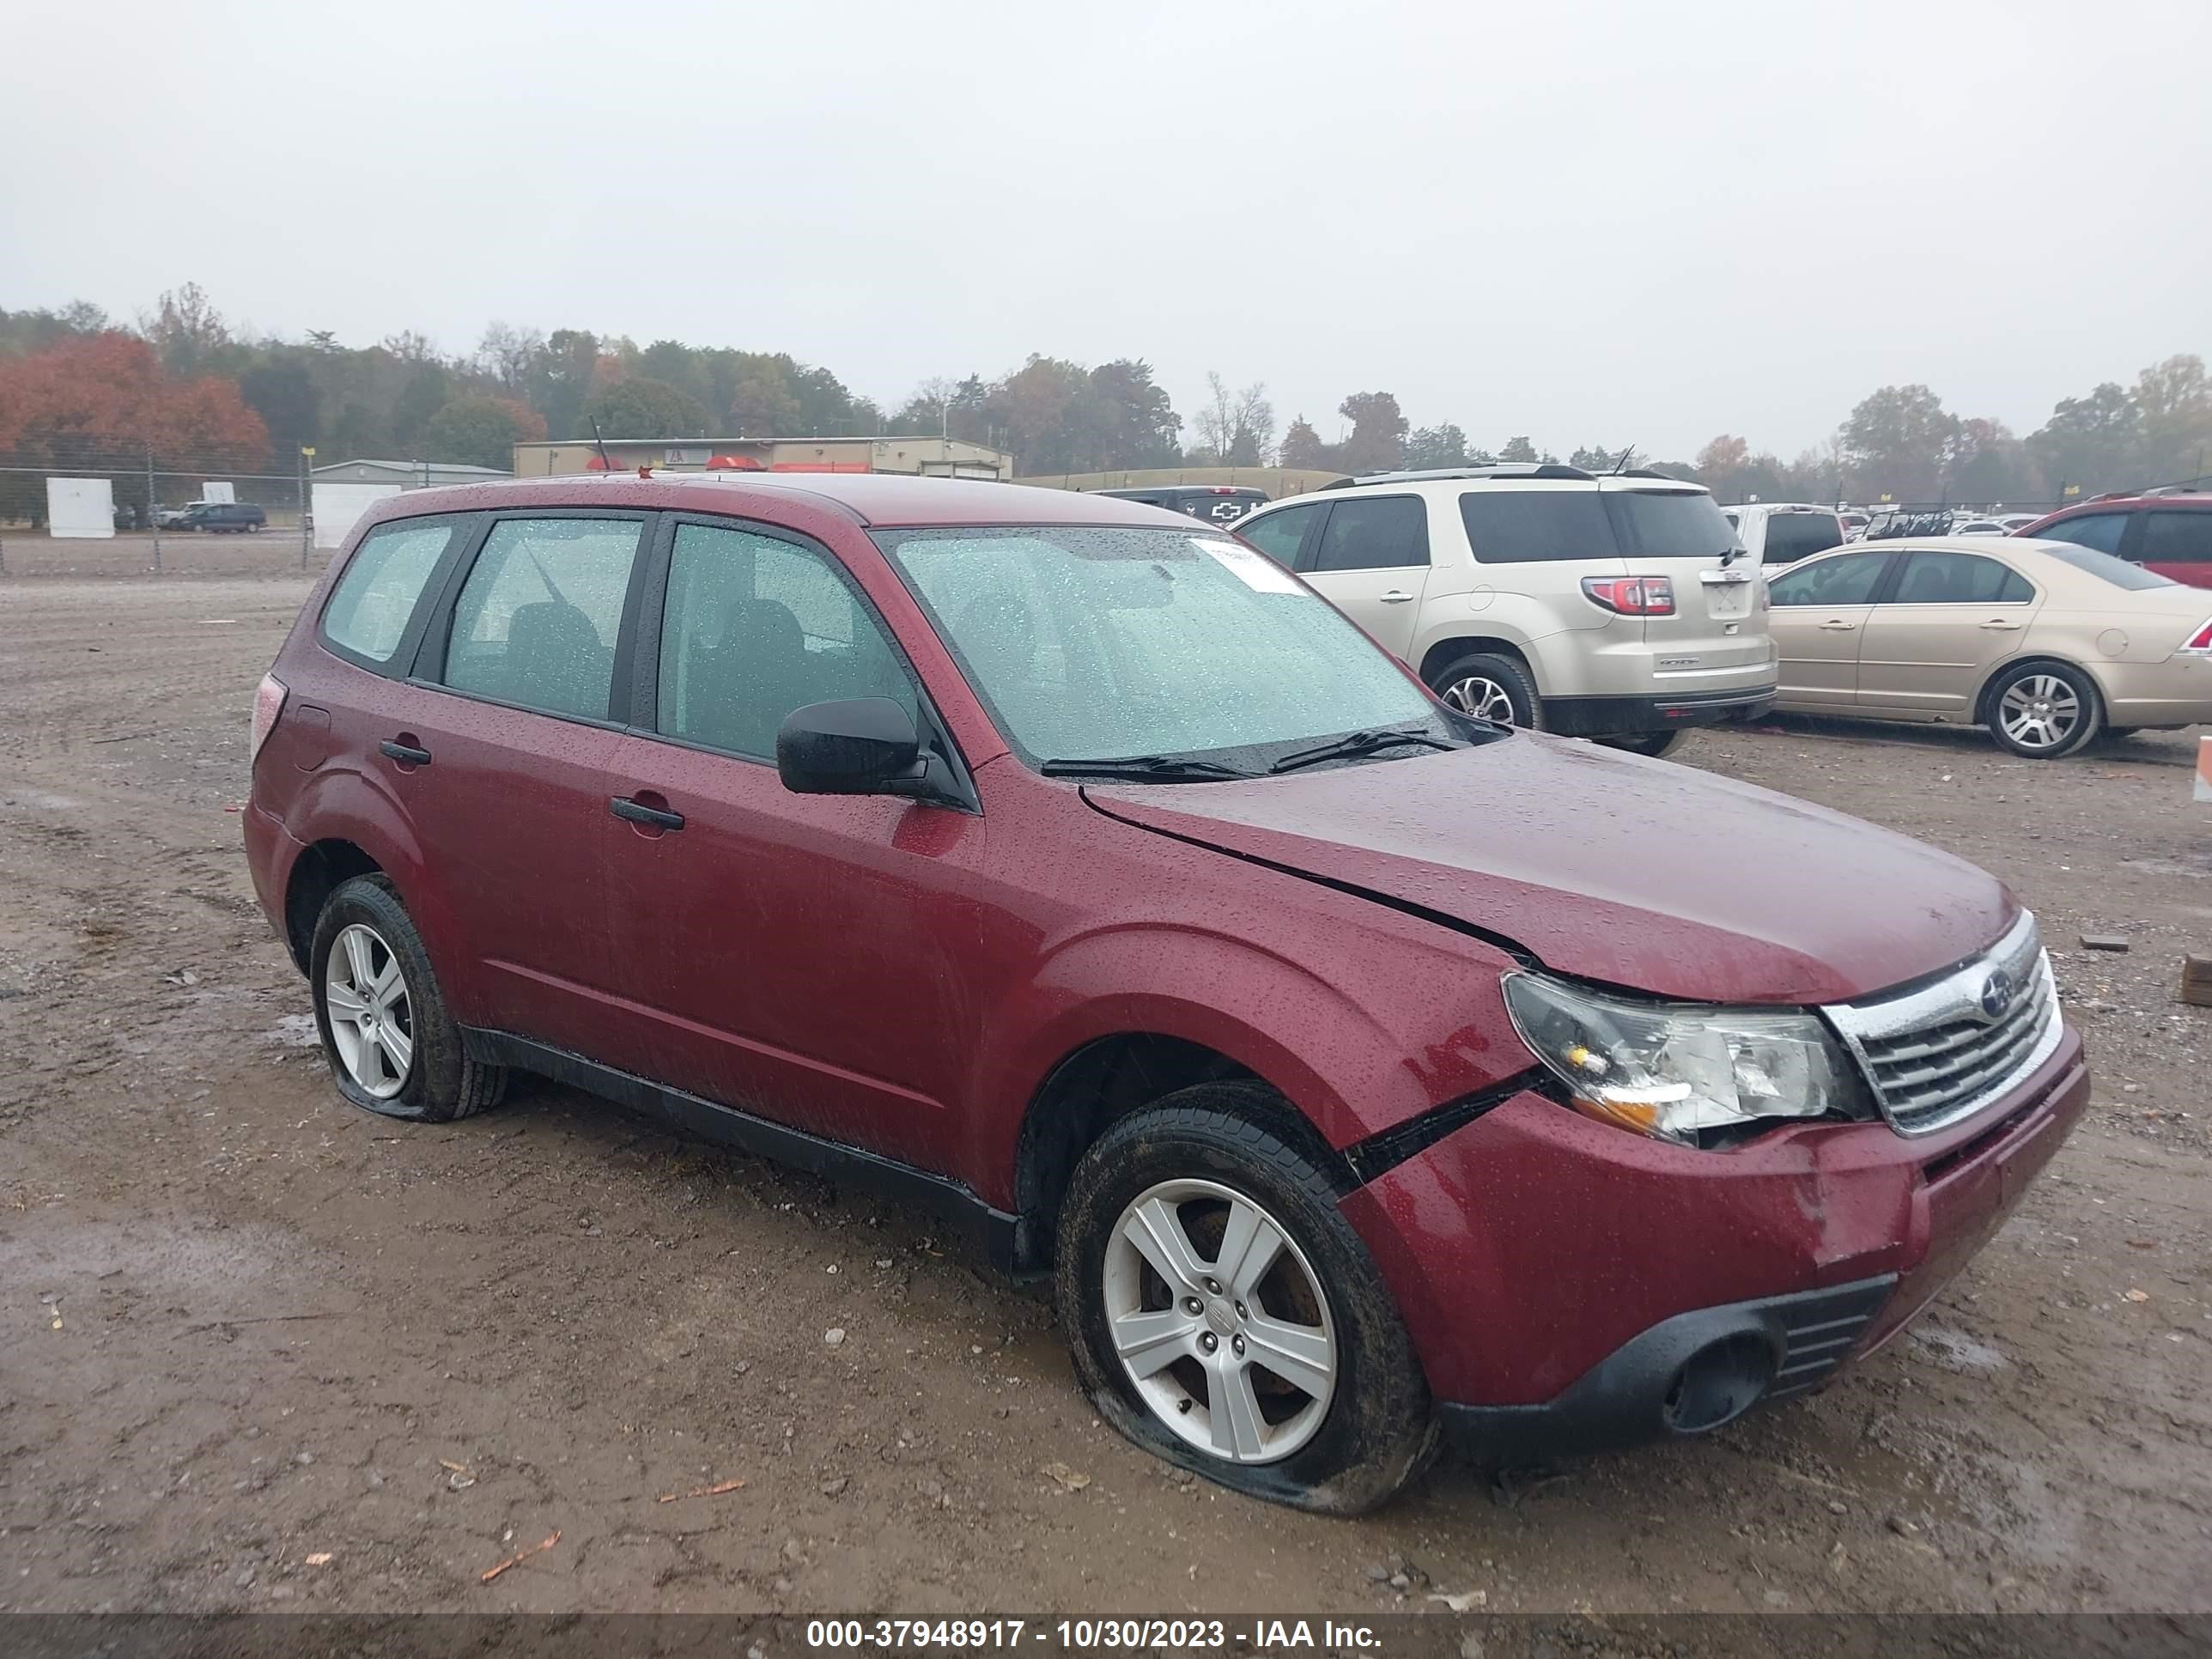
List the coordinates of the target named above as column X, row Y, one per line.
column 392, row 1048
column 1491, row 687
column 2043, row 710
column 1658, row 745
column 1346, row 1421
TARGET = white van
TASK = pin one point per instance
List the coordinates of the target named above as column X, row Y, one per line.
column 1776, row 533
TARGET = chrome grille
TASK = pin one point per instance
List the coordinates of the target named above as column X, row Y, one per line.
column 1938, row 1055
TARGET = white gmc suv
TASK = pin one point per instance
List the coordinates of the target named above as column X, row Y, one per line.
column 1620, row 607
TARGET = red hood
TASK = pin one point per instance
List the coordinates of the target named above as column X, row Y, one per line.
column 1608, row 866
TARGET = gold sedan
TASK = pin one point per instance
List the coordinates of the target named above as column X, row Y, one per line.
column 2043, row 642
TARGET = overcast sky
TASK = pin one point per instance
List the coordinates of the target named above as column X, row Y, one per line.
column 1591, row 223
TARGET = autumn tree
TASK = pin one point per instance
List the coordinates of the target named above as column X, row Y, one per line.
column 481, row 431
column 1234, row 428
column 1302, row 446
column 641, row 407
column 1893, row 442
column 187, row 333
column 101, row 403
column 2090, row 441
column 1723, row 455
column 2174, row 416
column 1377, row 442
column 283, row 394
column 1437, row 445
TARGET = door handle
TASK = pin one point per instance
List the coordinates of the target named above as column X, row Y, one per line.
column 2000, row 626
column 623, row 807
column 404, row 751
column 1838, row 626
column 1397, row 596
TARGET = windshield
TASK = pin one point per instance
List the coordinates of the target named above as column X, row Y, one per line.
column 1652, row 524
column 1093, row 643
column 2118, row 572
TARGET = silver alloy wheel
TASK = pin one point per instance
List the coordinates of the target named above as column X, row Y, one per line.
column 372, row 1018
column 2040, row 711
column 1481, row 696
column 1234, row 1350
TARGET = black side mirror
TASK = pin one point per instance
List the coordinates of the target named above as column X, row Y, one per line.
column 863, row 746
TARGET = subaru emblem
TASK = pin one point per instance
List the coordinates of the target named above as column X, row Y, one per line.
column 1997, row 994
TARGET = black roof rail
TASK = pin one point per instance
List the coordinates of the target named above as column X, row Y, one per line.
column 1496, row 470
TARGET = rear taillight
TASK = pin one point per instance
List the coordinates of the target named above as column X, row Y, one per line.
column 2202, row 639
column 268, row 704
column 1631, row 596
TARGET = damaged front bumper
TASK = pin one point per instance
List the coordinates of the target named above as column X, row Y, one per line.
column 1573, row 1287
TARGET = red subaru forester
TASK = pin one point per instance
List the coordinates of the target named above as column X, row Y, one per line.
column 1365, row 1074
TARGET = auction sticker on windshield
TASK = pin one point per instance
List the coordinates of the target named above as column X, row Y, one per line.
column 1256, row 570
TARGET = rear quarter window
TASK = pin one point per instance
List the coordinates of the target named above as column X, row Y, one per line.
column 375, row 599
column 1523, row 526
column 1668, row 523
column 2176, row 538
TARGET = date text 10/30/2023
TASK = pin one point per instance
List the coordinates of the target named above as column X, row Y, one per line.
column 1086, row 1635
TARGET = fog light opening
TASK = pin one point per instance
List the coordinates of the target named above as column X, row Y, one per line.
column 1718, row 1383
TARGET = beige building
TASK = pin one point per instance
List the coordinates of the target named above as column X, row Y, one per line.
column 939, row 457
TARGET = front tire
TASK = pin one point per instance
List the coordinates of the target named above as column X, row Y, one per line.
column 2043, row 710
column 392, row 1046
column 1491, row 687
column 1293, row 1379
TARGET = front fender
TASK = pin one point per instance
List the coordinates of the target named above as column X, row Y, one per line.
column 1374, row 1043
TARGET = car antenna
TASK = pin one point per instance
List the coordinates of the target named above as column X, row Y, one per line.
column 606, row 464
column 1621, row 466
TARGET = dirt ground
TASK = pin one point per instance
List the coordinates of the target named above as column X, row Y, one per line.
column 260, row 1350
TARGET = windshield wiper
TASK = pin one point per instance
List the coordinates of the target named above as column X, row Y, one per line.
column 1144, row 768
column 1353, row 744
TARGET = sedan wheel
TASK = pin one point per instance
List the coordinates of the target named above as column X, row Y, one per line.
column 2042, row 713
column 371, row 1017
column 1220, row 1321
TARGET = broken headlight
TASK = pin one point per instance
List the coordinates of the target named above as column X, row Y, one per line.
column 1675, row 1070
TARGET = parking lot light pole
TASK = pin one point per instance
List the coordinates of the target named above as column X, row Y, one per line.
column 153, row 510
column 307, row 520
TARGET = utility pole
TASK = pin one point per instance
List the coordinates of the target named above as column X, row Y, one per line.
column 306, row 519
column 153, row 510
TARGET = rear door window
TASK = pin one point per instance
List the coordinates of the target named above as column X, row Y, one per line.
column 2101, row 531
column 1279, row 535
column 1522, row 526
column 1851, row 580
column 2170, row 538
column 1960, row 579
column 1383, row 532
column 537, row 621
column 1794, row 536
column 375, row 599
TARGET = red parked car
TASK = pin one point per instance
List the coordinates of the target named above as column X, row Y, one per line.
column 1363, row 1072
column 2168, row 531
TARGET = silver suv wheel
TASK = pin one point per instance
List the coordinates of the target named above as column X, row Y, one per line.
column 1220, row 1321
column 1484, row 698
column 371, row 1017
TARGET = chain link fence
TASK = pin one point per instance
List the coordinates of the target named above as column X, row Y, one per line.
column 160, row 512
